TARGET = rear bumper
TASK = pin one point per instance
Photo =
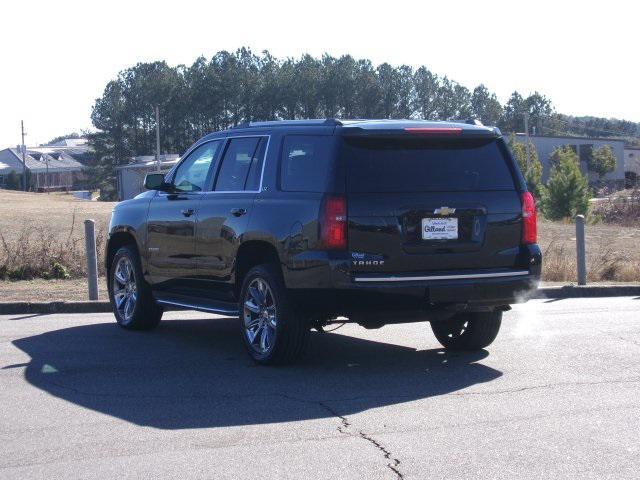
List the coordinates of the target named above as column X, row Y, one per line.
column 330, row 286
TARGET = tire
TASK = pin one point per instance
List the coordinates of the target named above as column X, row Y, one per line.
column 272, row 333
column 468, row 331
column 131, row 299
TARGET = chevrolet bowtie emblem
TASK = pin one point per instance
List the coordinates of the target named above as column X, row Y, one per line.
column 444, row 211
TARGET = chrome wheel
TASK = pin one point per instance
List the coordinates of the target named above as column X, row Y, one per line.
column 260, row 316
column 125, row 290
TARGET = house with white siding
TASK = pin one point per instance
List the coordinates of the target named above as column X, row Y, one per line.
column 51, row 167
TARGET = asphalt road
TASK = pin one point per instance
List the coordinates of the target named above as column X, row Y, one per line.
column 556, row 396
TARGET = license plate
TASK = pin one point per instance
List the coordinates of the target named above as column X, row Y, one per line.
column 440, row 228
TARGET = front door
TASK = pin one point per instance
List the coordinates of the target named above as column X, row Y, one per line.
column 225, row 212
column 172, row 218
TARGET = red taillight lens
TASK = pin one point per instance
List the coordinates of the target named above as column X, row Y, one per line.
column 333, row 223
column 434, row 130
column 529, row 219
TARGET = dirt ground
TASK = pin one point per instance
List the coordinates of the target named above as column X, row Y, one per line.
column 40, row 290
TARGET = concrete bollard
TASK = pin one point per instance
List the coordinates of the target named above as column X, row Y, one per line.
column 580, row 250
column 92, row 259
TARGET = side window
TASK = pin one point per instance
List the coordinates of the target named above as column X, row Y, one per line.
column 305, row 163
column 191, row 174
column 236, row 164
column 255, row 171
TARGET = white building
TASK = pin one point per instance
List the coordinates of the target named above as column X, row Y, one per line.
column 130, row 178
column 583, row 146
column 632, row 166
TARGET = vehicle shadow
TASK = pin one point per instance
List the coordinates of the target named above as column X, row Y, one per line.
column 195, row 374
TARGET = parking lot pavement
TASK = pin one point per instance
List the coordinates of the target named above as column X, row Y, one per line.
column 556, row 396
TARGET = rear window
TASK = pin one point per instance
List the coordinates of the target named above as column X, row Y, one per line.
column 419, row 165
column 305, row 163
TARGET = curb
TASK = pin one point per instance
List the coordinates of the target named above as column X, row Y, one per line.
column 587, row 291
column 11, row 308
column 567, row 291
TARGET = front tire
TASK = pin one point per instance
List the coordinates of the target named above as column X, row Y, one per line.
column 271, row 331
column 468, row 331
column 131, row 299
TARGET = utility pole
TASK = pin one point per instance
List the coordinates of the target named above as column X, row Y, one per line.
column 158, row 138
column 24, row 158
column 526, row 134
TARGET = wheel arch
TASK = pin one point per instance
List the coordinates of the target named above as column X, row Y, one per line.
column 117, row 240
column 250, row 254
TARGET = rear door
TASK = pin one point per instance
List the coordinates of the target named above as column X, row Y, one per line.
column 419, row 204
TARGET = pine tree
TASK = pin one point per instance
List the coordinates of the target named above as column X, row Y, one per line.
column 567, row 191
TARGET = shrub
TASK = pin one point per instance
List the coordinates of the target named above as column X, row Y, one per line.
column 567, row 191
column 59, row 271
column 622, row 209
column 34, row 253
column 602, row 161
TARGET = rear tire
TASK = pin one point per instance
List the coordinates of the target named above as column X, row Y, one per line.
column 468, row 331
column 131, row 299
column 272, row 332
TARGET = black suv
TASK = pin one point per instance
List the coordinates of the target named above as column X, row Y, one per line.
column 295, row 225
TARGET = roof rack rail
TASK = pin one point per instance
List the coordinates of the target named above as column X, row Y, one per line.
column 473, row 121
column 331, row 122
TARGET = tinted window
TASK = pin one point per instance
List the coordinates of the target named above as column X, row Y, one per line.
column 255, row 171
column 305, row 162
column 418, row 165
column 191, row 174
column 236, row 163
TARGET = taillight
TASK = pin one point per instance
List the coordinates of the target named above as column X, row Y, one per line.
column 333, row 223
column 529, row 219
column 439, row 131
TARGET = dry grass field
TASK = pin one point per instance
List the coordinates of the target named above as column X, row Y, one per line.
column 54, row 211
column 38, row 230
column 613, row 252
column 43, row 234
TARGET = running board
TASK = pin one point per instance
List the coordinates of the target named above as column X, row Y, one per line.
column 203, row 305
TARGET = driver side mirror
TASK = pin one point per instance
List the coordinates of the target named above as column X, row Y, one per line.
column 155, row 181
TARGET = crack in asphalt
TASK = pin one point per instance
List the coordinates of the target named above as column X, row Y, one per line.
column 344, row 427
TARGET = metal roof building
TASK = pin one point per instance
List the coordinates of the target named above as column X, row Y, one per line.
column 49, row 167
column 130, row 178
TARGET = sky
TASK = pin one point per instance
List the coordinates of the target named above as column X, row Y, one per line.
column 57, row 56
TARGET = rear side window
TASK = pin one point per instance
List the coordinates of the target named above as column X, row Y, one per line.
column 255, row 171
column 236, row 164
column 305, row 163
column 419, row 165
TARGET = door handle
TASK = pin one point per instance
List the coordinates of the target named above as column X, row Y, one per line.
column 238, row 212
column 187, row 212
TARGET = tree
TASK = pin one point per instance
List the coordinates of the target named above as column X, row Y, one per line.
column 602, row 161
column 567, row 191
column 425, row 85
column 485, row 106
column 531, row 169
column 512, row 120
